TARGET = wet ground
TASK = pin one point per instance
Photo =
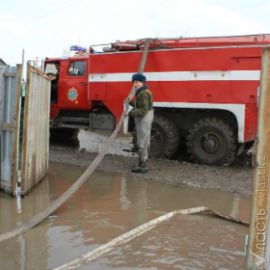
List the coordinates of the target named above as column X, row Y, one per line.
column 114, row 201
column 94, row 143
column 236, row 179
column 110, row 204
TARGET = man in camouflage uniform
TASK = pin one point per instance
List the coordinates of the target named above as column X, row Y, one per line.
column 143, row 114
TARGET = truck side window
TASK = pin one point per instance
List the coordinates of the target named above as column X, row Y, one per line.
column 76, row 68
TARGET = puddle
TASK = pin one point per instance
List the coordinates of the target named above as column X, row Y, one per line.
column 96, row 142
column 108, row 205
column 185, row 242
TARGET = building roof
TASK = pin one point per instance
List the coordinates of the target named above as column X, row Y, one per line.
column 2, row 62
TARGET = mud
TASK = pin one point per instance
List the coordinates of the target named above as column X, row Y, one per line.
column 108, row 205
column 236, row 178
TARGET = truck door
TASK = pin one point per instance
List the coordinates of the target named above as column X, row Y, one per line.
column 73, row 88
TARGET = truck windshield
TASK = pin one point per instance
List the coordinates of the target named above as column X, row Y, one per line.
column 76, row 68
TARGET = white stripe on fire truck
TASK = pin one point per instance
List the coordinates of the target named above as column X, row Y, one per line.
column 231, row 75
column 238, row 110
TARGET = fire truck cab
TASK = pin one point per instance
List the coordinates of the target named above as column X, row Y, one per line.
column 205, row 93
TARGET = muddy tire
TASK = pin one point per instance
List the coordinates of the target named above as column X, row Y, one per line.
column 63, row 134
column 165, row 138
column 211, row 141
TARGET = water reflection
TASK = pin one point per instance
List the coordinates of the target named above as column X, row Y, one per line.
column 186, row 242
column 109, row 205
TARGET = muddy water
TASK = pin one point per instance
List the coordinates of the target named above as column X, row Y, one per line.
column 109, row 205
column 95, row 142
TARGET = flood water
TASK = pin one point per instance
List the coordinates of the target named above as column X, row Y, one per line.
column 108, row 205
column 95, row 142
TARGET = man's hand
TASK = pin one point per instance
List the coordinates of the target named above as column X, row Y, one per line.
column 51, row 76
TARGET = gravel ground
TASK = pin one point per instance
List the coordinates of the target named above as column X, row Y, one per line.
column 236, row 179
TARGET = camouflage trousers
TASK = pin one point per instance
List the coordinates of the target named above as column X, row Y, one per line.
column 143, row 132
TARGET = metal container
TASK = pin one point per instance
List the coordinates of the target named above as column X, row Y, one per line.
column 35, row 146
column 9, row 111
column 24, row 128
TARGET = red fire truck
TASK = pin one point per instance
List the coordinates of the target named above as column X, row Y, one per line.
column 205, row 93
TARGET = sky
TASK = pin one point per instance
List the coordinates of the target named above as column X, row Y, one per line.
column 47, row 28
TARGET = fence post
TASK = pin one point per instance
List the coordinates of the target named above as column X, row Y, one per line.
column 258, row 249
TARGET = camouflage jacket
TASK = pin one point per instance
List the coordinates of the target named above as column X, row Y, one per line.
column 142, row 103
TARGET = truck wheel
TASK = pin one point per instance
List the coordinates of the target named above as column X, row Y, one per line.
column 63, row 134
column 212, row 142
column 164, row 138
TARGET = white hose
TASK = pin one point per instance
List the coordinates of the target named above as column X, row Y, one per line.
column 35, row 220
column 134, row 233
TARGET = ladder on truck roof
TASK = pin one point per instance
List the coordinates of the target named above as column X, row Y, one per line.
column 172, row 43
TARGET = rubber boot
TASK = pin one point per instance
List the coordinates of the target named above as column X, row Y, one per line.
column 142, row 168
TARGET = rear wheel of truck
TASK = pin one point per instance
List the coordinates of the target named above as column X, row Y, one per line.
column 63, row 135
column 165, row 138
column 211, row 141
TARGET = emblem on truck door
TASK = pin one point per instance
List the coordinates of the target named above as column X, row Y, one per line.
column 72, row 94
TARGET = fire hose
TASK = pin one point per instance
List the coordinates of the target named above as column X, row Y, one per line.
column 34, row 221
column 138, row 231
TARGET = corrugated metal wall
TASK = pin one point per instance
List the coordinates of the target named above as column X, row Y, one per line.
column 35, row 147
column 28, row 156
column 9, row 111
